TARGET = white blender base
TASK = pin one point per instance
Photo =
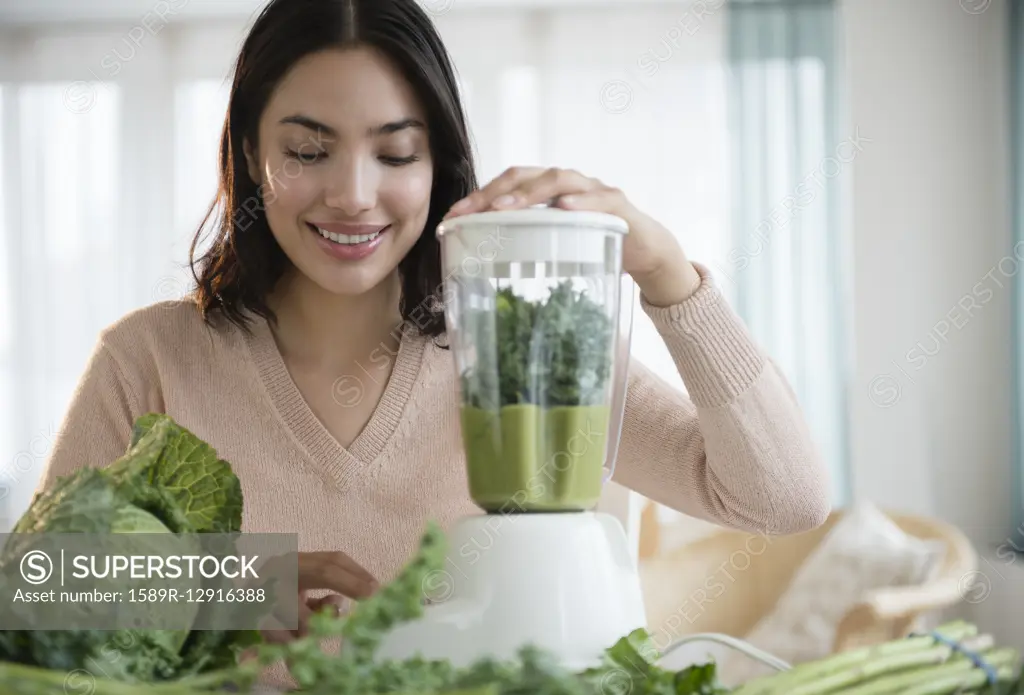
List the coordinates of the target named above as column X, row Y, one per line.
column 564, row 582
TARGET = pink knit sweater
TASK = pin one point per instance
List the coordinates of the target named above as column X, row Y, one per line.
column 736, row 452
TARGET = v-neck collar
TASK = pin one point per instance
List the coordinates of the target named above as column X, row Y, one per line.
column 341, row 463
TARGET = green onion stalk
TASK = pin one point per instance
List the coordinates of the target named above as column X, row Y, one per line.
column 916, row 665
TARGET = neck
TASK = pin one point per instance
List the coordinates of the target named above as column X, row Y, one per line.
column 319, row 330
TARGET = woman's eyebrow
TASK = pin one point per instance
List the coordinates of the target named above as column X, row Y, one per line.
column 385, row 129
column 307, row 122
column 395, row 126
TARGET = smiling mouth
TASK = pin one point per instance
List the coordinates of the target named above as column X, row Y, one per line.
column 347, row 239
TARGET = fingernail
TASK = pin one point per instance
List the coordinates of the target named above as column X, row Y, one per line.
column 502, row 201
column 460, row 204
column 567, row 200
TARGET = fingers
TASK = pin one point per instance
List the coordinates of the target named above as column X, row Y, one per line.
column 334, row 602
column 521, row 187
column 600, row 199
column 480, row 200
column 336, row 572
column 545, row 188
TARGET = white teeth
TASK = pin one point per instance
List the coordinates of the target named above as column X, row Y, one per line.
column 345, row 238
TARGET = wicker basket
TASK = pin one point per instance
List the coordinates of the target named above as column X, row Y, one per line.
column 676, row 577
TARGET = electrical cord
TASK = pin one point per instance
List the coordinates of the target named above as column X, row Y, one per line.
column 732, row 642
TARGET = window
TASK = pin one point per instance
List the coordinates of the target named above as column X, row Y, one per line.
column 101, row 205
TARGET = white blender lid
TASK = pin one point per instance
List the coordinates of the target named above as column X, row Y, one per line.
column 528, row 241
column 538, row 216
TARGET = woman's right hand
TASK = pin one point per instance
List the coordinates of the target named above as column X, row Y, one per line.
column 331, row 570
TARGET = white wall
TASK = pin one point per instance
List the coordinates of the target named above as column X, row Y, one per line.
column 931, row 400
column 928, row 87
column 927, row 95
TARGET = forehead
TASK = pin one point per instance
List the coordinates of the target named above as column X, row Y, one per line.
column 350, row 90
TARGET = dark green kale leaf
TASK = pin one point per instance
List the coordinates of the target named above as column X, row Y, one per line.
column 212, row 650
column 631, row 667
column 355, row 669
column 556, row 352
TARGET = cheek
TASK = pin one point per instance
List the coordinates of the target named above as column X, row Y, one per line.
column 408, row 196
column 287, row 187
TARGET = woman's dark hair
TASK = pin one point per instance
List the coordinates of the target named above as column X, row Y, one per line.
column 244, row 260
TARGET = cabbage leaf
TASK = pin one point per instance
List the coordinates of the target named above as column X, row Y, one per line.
column 168, row 481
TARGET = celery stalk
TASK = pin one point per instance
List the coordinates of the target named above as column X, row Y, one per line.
column 893, row 655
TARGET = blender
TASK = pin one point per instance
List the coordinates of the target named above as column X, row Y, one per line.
column 539, row 319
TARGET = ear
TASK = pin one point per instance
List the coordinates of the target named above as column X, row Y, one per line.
column 252, row 162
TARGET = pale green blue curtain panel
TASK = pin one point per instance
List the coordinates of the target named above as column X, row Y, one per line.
column 791, row 157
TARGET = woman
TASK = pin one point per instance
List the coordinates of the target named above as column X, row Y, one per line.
column 344, row 146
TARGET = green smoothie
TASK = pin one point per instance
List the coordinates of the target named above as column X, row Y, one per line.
column 527, row 458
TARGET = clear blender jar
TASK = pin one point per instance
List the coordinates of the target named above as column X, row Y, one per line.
column 539, row 318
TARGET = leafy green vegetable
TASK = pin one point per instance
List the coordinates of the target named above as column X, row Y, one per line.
column 203, row 486
column 556, row 352
column 629, row 666
column 167, row 482
column 170, row 479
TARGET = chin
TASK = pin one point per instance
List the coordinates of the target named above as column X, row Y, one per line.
column 353, row 284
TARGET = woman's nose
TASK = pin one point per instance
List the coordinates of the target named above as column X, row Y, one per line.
column 352, row 191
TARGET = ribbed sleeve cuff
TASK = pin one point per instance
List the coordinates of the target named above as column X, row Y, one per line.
column 714, row 352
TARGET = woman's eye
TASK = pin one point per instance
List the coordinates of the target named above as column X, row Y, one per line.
column 306, row 157
column 399, row 161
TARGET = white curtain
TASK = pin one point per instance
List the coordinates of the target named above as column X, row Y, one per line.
column 792, row 153
column 109, row 149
